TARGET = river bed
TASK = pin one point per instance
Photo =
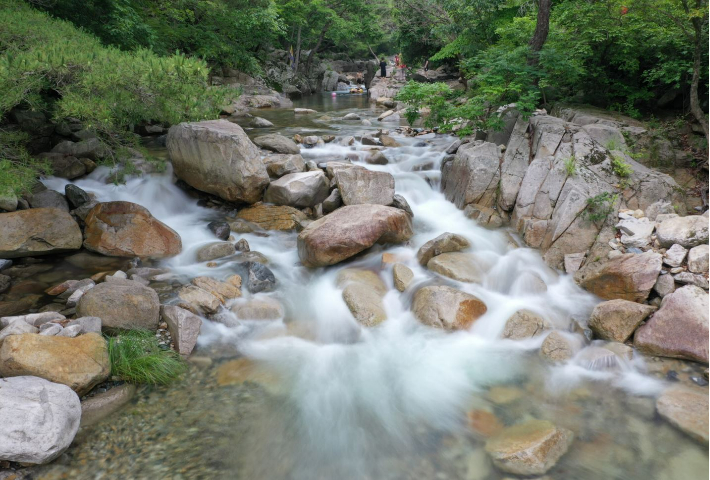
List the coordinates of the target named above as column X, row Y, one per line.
column 316, row 396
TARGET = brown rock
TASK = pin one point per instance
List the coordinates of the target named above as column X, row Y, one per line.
column 363, row 291
column 679, row 329
column 444, row 243
column 447, row 308
column 80, row 363
column 616, row 320
column 402, row 276
column 559, row 347
column 37, row 231
column 124, row 229
column 272, row 217
column 202, row 299
column 687, row 409
column 184, row 328
column 223, row 291
column 627, row 277
column 126, row 304
column 484, row 423
column 529, row 448
column 525, row 324
column 464, row 267
column 350, row 230
column 259, row 309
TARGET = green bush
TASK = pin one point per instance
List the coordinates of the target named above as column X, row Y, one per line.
column 50, row 66
column 620, row 167
column 137, row 357
column 571, row 165
column 599, row 206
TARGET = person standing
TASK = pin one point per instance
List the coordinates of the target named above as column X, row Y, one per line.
column 383, row 67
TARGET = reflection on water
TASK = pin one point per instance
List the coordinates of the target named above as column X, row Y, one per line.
column 314, row 396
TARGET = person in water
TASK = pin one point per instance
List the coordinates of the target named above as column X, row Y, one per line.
column 383, row 67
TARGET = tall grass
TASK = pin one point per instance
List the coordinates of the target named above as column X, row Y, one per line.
column 137, row 357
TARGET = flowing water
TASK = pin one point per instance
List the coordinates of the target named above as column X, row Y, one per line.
column 315, row 396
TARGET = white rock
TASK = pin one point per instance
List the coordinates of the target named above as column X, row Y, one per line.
column 675, row 255
column 38, row 419
column 51, row 329
column 34, row 319
column 664, row 285
column 698, row 259
column 17, row 328
column 71, row 331
column 636, row 232
column 688, row 278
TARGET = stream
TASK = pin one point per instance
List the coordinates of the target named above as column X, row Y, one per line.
column 317, row 396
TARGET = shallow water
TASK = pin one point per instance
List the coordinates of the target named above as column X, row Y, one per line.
column 315, row 396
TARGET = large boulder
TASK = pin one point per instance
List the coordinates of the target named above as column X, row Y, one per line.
column 447, row 308
column 272, row 217
column 37, row 231
column 350, row 230
column 627, row 277
column 464, row 267
column 616, row 320
column 125, row 229
column 277, row 143
column 305, row 189
column 38, row 419
column 80, row 363
column 48, row 199
column 687, row 232
column 679, row 329
column 217, row 157
column 444, row 243
column 529, row 448
column 359, row 185
column 121, row 304
column 473, row 175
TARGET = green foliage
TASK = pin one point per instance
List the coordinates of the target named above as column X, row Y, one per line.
column 136, row 357
column 620, row 167
column 599, row 206
column 18, row 170
column 571, row 165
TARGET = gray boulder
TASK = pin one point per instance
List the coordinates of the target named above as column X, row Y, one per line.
column 48, row 199
column 184, row 327
column 473, row 175
column 217, row 157
column 304, row 189
column 283, row 164
column 359, row 185
column 687, row 231
column 38, row 419
column 277, row 143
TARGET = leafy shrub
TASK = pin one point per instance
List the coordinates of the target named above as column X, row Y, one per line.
column 17, row 168
column 137, row 357
column 599, row 206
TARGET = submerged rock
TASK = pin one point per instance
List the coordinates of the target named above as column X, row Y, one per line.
column 215, row 250
column 447, row 308
column 220, row 229
column 256, row 276
column 124, row 229
column 529, row 448
column 38, row 231
column 679, row 329
column 686, row 408
column 259, row 309
column 350, row 230
column 217, row 157
column 102, row 405
column 80, row 363
column 38, row 419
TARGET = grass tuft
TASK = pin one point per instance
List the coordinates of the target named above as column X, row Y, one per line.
column 137, row 357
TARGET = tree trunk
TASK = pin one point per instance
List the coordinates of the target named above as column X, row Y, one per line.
column 315, row 49
column 695, row 108
column 542, row 28
column 373, row 53
column 298, row 50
